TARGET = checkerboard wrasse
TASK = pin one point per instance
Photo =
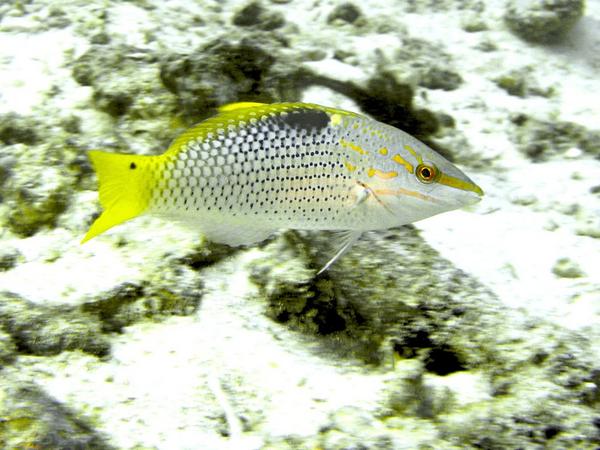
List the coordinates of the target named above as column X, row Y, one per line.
column 256, row 168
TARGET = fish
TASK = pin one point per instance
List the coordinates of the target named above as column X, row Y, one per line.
column 253, row 169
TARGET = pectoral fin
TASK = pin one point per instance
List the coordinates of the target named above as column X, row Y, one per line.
column 346, row 239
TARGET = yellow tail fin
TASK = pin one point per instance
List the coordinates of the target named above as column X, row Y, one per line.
column 124, row 183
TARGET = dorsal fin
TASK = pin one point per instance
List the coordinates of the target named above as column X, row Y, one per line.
column 238, row 105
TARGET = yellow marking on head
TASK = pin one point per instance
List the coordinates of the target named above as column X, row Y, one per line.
column 349, row 166
column 352, row 146
column 336, row 119
column 378, row 173
column 457, row 183
column 355, row 126
column 383, row 151
column 400, row 160
column 414, row 153
column 402, row 191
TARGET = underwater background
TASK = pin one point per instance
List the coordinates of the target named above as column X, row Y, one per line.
column 477, row 328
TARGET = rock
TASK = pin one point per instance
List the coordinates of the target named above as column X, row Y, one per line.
column 345, row 12
column 218, row 73
column 387, row 99
column 205, row 254
column 18, row 129
column 473, row 23
column 407, row 394
column 255, row 15
column 354, row 428
column 287, row 283
column 124, row 82
column 44, row 331
column 7, row 162
column 543, row 21
column 439, row 78
column 394, row 319
column 393, row 298
column 430, row 65
column 590, row 228
column 38, row 191
column 407, row 313
column 32, row 419
column 8, row 351
column 166, row 291
column 542, row 140
column 520, row 83
column 9, row 256
column 57, row 17
column 567, row 268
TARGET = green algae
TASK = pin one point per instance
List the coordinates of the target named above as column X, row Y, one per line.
column 543, row 21
column 567, row 268
column 254, row 14
column 42, row 330
column 394, row 302
column 8, row 349
column 9, row 257
column 171, row 291
column 30, row 419
column 520, row 83
column 125, row 83
column 396, row 314
column 345, row 12
column 17, row 129
column 205, row 254
column 222, row 71
column 39, row 185
column 541, row 140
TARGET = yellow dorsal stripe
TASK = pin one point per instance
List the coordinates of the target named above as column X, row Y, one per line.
column 236, row 114
column 336, row 119
column 239, row 105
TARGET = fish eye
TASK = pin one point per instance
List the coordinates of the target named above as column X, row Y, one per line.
column 427, row 173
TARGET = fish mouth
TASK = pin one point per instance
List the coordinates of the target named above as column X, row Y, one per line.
column 464, row 184
column 470, row 193
column 463, row 193
column 473, row 197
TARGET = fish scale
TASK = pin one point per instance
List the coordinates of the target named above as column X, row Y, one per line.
column 253, row 169
column 277, row 173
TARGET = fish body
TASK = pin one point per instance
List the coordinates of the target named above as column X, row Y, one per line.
column 255, row 168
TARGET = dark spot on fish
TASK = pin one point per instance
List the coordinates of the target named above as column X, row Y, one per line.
column 303, row 119
column 132, row 166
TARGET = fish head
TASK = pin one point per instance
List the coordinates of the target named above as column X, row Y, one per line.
column 429, row 185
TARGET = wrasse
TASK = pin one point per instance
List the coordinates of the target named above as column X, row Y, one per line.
column 256, row 168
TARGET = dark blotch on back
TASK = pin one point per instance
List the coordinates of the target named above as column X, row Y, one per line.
column 306, row 119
